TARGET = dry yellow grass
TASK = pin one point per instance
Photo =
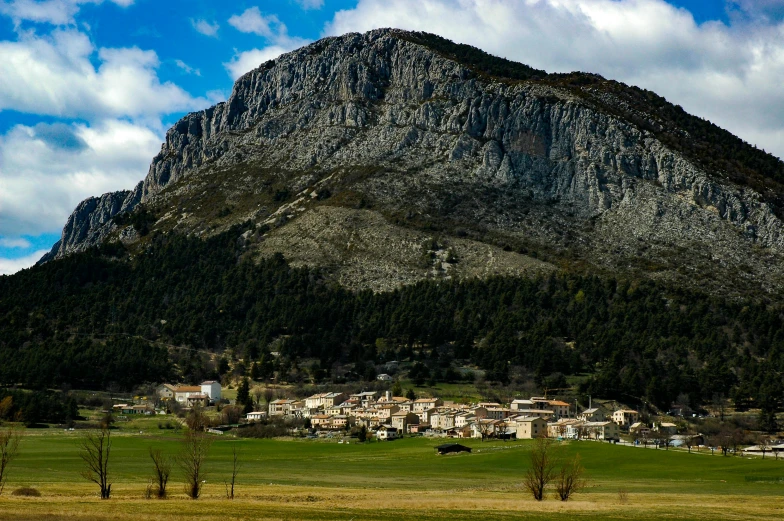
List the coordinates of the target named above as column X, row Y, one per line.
column 72, row 501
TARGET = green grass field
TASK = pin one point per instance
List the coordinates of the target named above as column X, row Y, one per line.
column 405, row 479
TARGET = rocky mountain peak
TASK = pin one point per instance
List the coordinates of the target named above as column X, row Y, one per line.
column 374, row 154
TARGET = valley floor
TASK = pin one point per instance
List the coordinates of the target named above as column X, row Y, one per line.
column 405, row 479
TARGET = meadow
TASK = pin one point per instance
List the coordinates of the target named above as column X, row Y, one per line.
column 297, row 479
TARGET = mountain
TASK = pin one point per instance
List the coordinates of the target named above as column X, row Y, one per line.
column 390, row 157
column 396, row 196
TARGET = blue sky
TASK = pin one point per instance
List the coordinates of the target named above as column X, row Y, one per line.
column 89, row 87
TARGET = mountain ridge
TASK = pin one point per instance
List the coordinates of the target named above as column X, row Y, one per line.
column 390, row 124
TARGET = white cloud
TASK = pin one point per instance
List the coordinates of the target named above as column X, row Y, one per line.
column 187, row 68
column 252, row 21
column 14, row 242
column 249, row 60
column 11, row 266
column 55, row 75
column 206, row 28
column 55, row 12
column 730, row 74
column 266, row 26
column 310, row 4
column 42, row 178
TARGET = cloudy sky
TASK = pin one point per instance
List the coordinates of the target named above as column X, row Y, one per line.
column 88, row 87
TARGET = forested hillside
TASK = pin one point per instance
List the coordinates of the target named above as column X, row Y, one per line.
column 96, row 320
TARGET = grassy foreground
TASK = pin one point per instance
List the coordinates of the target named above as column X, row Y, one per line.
column 316, row 480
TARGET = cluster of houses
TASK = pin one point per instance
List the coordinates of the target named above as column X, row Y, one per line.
column 392, row 416
column 204, row 394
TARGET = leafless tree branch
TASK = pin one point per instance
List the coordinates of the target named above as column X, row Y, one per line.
column 162, row 468
column 94, row 449
column 195, row 447
column 542, row 470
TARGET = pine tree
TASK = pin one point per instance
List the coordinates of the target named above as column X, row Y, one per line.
column 243, row 392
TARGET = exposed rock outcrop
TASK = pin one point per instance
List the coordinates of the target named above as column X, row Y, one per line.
column 378, row 119
column 91, row 222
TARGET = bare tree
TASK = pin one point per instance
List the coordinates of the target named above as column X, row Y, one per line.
column 570, row 479
column 737, row 439
column 95, row 448
column 9, row 448
column 764, row 444
column 486, row 428
column 197, row 420
column 195, row 447
column 258, row 393
column 162, row 467
column 719, row 406
column 269, row 394
column 235, row 468
column 542, row 469
column 231, row 414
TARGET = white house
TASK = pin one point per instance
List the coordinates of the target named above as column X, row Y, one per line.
column 383, row 377
column 212, row 389
column 424, row 404
column 625, row 417
column 386, row 433
column 166, row 391
column 281, row 407
column 315, row 402
column 591, row 415
column 522, row 404
column 529, row 427
column 255, row 416
column 183, row 392
column 603, row 430
column 365, row 398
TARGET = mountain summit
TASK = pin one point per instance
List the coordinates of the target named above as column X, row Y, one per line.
column 390, row 157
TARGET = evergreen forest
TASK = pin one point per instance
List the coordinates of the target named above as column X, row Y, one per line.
column 102, row 320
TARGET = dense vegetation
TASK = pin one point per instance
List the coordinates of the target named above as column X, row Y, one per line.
column 474, row 58
column 93, row 321
column 37, row 407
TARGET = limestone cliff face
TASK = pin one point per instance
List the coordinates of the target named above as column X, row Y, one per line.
column 378, row 118
column 90, row 223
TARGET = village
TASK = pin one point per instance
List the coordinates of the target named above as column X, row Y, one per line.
column 389, row 417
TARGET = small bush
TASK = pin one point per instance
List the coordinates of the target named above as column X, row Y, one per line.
column 26, row 491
